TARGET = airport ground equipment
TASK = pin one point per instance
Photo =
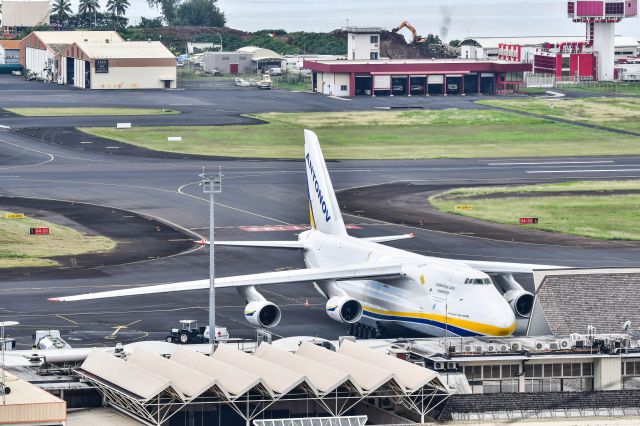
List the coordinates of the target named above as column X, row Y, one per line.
column 188, row 333
column 49, row 339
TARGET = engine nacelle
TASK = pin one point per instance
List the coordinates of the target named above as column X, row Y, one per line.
column 344, row 309
column 262, row 314
column 521, row 301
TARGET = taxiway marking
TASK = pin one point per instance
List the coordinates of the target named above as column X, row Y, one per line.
column 583, row 171
column 545, row 163
column 67, row 319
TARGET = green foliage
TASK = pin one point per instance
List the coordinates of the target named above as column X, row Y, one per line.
column 267, row 42
column 455, row 43
column 433, row 39
column 88, row 7
column 150, row 22
column 117, row 7
column 318, row 43
column 204, row 13
column 61, row 11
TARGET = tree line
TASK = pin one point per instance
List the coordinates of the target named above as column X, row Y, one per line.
column 173, row 12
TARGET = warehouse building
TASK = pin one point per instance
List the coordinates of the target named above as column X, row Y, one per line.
column 227, row 62
column 9, row 51
column 118, row 65
column 20, row 14
column 417, row 77
column 40, row 50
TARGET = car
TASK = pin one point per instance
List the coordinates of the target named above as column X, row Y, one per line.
column 241, row 82
column 417, row 88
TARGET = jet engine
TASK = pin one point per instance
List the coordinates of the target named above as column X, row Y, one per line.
column 521, row 300
column 262, row 313
column 344, row 309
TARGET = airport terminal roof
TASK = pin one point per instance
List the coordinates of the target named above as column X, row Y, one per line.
column 233, row 376
column 28, row 404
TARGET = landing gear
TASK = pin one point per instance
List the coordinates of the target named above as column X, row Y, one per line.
column 363, row 331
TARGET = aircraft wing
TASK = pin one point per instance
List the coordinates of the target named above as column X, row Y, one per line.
column 350, row 272
column 506, row 267
column 386, row 239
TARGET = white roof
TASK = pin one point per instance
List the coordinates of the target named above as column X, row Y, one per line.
column 409, row 376
column 367, row 376
column 190, row 382
column 258, row 53
column 493, row 42
column 126, row 50
column 278, row 378
column 69, row 37
column 126, row 375
column 324, row 378
column 272, row 372
column 235, row 381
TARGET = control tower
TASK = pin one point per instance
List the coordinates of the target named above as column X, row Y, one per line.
column 601, row 18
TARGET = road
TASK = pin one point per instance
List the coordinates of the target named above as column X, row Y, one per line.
column 255, row 193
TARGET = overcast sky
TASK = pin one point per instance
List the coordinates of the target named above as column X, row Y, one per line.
column 449, row 18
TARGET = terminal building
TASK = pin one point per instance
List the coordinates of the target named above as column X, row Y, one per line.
column 365, row 73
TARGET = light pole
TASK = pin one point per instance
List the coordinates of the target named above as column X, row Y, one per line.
column 3, row 383
column 211, row 184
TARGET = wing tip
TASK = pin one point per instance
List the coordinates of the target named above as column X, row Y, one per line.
column 56, row 299
column 411, row 235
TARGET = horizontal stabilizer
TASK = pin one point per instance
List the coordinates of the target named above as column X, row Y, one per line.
column 386, row 239
column 269, row 244
column 350, row 272
column 507, row 268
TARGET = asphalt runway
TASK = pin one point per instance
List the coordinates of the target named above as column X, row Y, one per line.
column 255, row 193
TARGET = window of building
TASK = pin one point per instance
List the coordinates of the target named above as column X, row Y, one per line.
column 343, row 87
column 373, row 56
column 614, row 9
column 571, row 8
column 243, row 58
column 374, row 39
column 225, row 58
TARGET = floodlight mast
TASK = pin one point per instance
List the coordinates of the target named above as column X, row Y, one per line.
column 211, row 184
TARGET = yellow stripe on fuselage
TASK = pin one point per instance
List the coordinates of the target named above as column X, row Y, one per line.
column 311, row 219
column 476, row 327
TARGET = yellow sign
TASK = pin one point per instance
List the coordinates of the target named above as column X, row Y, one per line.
column 14, row 216
column 464, row 207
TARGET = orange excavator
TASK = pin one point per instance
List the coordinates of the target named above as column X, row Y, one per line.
column 407, row 25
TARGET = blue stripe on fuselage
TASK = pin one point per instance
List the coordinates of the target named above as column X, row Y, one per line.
column 453, row 329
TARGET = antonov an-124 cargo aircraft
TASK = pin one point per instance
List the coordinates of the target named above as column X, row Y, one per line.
column 361, row 277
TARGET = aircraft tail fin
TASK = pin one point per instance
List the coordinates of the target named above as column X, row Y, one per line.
column 324, row 212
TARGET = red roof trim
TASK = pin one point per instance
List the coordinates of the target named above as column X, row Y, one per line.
column 423, row 68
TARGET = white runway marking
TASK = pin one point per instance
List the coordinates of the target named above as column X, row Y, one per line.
column 51, row 157
column 544, row 163
column 583, row 171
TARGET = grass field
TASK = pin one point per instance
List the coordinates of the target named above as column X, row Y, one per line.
column 618, row 113
column 83, row 111
column 419, row 134
column 606, row 216
column 19, row 249
column 603, row 87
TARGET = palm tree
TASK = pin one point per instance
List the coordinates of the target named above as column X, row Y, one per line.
column 117, row 7
column 88, row 7
column 61, row 10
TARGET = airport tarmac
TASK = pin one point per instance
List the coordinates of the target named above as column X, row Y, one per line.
column 256, row 193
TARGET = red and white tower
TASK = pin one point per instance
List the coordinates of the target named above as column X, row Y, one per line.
column 601, row 18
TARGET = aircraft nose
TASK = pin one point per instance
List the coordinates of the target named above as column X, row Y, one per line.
column 504, row 320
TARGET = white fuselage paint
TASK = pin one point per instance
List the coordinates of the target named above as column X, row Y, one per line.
column 431, row 297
